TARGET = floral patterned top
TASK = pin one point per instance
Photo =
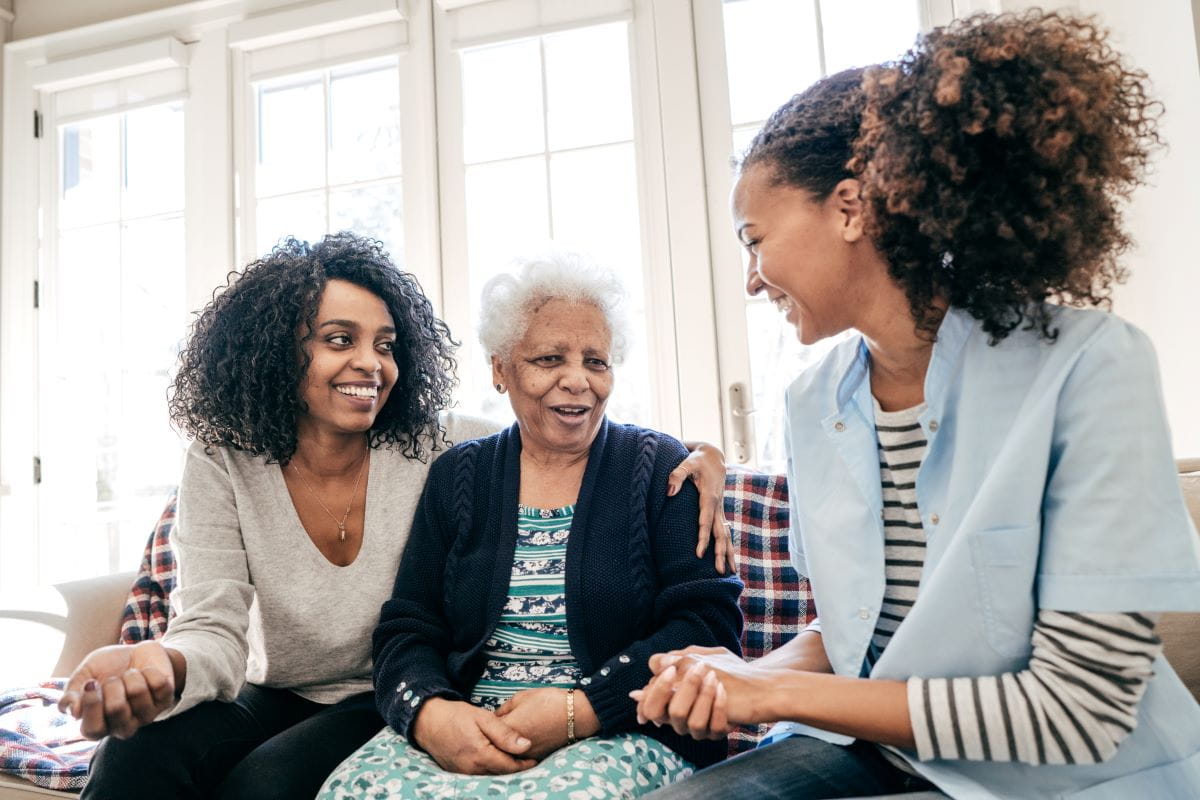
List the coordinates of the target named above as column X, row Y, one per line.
column 529, row 647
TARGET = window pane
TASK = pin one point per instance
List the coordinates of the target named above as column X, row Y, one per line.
column 507, row 215
column 594, row 195
column 364, row 124
column 153, row 160
column 298, row 215
column 375, row 211
column 850, row 43
column 89, row 170
column 291, row 136
column 587, row 87
column 502, row 101
column 772, row 52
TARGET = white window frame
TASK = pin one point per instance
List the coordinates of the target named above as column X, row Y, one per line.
column 289, row 42
column 33, row 69
column 729, row 280
column 670, row 178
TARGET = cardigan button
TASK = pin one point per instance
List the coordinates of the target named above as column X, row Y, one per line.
column 605, row 670
column 864, row 613
column 624, row 659
column 415, row 702
column 839, row 426
column 406, row 695
column 401, row 687
column 584, row 681
column 933, row 425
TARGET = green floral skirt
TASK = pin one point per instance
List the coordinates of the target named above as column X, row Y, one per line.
column 625, row 765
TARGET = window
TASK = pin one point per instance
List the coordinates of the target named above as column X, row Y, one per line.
column 549, row 154
column 774, row 49
column 112, row 320
column 458, row 132
column 327, row 155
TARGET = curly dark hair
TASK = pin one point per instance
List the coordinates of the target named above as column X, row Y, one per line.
column 240, row 374
column 995, row 158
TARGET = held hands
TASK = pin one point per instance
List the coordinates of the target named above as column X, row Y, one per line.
column 468, row 740
column 705, row 465
column 541, row 716
column 120, row 688
column 704, row 691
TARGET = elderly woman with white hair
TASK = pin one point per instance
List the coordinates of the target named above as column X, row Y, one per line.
column 546, row 563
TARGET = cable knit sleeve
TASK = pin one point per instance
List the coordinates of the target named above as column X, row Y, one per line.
column 413, row 638
column 687, row 601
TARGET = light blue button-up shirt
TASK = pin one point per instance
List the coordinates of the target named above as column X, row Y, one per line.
column 1048, row 483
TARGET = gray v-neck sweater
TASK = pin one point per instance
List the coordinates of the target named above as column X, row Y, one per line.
column 257, row 601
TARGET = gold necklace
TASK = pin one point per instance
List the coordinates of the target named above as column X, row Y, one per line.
column 341, row 525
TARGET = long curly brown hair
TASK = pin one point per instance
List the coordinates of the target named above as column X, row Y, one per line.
column 240, row 374
column 995, row 157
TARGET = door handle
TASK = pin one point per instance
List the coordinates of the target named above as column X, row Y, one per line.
column 743, row 426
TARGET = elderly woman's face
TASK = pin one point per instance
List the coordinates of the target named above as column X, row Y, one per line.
column 559, row 376
column 352, row 369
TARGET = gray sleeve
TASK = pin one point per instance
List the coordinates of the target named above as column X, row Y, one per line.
column 213, row 595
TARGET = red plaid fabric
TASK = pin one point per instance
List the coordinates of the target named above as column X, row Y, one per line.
column 149, row 608
column 777, row 603
column 43, row 745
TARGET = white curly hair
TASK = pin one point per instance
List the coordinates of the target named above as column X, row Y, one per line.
column 509, row 299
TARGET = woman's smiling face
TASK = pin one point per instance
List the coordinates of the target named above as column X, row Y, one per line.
column 559, row 376
column 351, row 369
column 799, row 249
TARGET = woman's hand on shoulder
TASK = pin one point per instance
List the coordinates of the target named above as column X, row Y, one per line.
column 705, row 465
column 117, row 689
column 469, row 740
column 541, row 716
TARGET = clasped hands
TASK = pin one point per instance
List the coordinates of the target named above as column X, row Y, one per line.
column 703, row 692
column 529, row 726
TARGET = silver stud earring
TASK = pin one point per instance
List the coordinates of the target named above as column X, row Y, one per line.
column 500, row 388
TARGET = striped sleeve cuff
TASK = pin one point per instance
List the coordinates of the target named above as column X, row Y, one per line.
column 918, row 715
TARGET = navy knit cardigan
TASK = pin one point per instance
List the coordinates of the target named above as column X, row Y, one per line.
column 634, row 586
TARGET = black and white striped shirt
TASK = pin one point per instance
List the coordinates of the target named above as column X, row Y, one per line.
column 1074, row 703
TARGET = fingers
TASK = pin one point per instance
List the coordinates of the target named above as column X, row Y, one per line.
column 698, row 719
column 140, row 699
column 91, row 712
column 677, row 477
column 504, row 709
column 660, row 661
column 687, row 689
column 495, row 762
column 502, row 736
column 118, row 714
column 718, row 723
column 724, row 545
column 657, row 695
column 162, row 688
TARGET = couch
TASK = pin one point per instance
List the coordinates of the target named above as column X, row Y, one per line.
column 776, row 602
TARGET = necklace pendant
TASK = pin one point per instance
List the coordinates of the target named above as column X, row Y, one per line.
column 341, row 534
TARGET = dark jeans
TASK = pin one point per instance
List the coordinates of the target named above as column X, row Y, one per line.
column 268, row 743
column 801, row 768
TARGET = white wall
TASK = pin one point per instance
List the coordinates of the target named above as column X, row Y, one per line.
column 39, row 17
column 1163, row 293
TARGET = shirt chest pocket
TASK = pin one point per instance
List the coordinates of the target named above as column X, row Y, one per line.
column 1005, row 564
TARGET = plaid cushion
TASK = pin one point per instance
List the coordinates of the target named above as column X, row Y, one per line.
column 148, row 608
column 777, row 603
column 43, row 745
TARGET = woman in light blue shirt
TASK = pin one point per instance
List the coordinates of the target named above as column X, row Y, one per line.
column 982, row 486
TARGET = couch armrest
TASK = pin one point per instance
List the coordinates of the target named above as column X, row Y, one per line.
column 94, row 607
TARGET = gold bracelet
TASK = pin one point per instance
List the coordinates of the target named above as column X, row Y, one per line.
column 571, row 716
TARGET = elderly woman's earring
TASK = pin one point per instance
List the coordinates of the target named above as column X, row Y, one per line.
column 500, row 388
